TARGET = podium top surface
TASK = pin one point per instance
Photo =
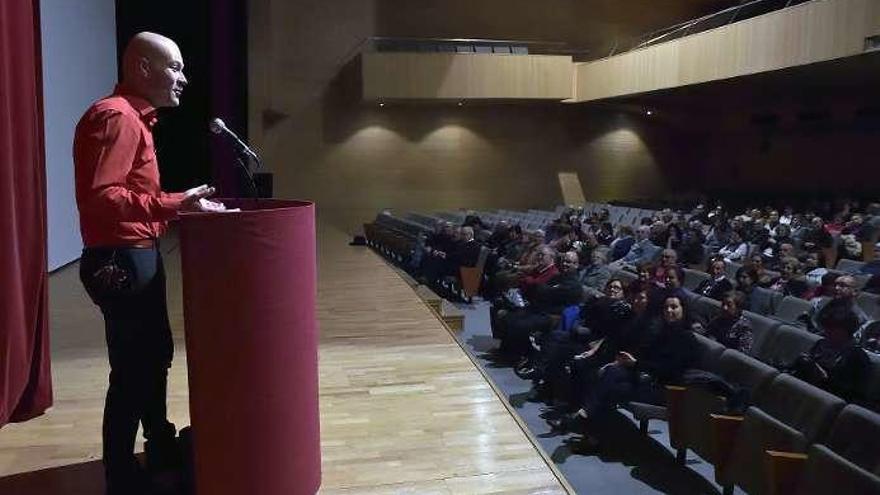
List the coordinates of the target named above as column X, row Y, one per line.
column 251, row 206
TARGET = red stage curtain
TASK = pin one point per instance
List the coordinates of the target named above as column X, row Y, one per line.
column 25, row 378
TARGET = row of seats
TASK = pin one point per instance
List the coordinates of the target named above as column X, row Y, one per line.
column 789, row 422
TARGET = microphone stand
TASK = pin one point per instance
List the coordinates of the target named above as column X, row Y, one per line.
column 242, row 159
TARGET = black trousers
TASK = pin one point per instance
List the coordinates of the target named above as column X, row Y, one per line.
column 139, row 346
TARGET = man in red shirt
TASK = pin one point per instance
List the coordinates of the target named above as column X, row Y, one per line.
column 123, row 212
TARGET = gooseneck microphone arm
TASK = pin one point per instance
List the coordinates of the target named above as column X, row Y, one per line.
column 243, row 151
column 218, row 127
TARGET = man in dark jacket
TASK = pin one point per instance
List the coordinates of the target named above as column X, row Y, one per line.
column 545, row 304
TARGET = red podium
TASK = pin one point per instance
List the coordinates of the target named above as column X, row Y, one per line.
column 249, row 288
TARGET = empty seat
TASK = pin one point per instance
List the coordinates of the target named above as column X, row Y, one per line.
column 784, row 344
column 762, row 330
column 790, row 309
column 704, row 309
column 848, row 461
column 870, row 304
column 731, row 269
column 827, row 472
column 792, row 415
column 764, row 301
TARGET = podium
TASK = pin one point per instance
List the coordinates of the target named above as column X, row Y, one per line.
column 249, row 289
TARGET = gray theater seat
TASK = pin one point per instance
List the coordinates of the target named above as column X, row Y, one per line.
column 785, row 344
column 827, row 472
column 693, row 278
column 764, row 301
column 704, row 309
column 848, row 462
column 739, row 370
column 762, row 331
column 790, row 308
column 789, row 417
column 849, row 266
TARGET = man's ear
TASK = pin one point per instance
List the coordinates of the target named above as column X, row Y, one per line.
column 144, row 67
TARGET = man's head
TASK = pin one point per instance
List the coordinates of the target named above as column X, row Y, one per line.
column 152, row 67
column 786, row 249
column 668, row 258
column 568, row 262
column 845, row 287
column 643, row 232
column 467, row 234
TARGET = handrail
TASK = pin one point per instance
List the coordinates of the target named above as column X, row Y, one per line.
column 659, row 35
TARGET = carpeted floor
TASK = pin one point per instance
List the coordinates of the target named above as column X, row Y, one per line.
column 626, row 463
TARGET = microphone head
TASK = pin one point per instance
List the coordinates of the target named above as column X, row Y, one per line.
column 217, row 126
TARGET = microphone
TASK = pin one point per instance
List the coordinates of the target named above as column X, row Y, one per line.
column 218, row 127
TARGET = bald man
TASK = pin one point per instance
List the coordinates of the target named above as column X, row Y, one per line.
column 123, row 212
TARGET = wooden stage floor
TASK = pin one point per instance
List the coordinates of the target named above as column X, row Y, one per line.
column 403, row 410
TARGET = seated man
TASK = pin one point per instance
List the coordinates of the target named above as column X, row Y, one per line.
column 718, row 285
column 837, row 363
column 545, row 303
column 595, row 275
column 643, row 251
column 844, row 293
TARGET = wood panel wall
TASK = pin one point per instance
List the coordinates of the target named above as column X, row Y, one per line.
column 354, row 158
column 464, row 76
column 806, row 33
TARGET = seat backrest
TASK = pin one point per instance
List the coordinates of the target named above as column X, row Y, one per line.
column 764, row 301
column 762, row 329
column 731, row 269
column 785, row 344
column 808, row 409
column 790, row 308
column 704, row 309
column 710, row 352
column 693, row 278
column 747, row 372
column 871, row 391
column 870, row 304
column 855, row 435
column 849, row 266
column 827, row 472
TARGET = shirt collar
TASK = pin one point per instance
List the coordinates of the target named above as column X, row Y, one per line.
column 147, row 112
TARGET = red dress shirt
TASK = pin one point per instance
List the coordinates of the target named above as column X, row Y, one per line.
column 117, row 176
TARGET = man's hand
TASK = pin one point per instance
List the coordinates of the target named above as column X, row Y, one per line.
column 208, row 205
column 192, row 196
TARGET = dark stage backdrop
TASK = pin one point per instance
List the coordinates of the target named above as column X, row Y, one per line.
column 213, row 38
column 25, row 376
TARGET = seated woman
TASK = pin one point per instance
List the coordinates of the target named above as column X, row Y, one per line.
column 791, row 282
column 731, row 328
column 718, row 285
column 757, row 262
column 837, row 363
column 640, row 371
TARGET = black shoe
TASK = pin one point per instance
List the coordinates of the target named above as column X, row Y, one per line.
column 128, row 480
column 162, row 455
column 569, row 422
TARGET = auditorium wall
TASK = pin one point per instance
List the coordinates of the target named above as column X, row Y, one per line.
column 322, row 143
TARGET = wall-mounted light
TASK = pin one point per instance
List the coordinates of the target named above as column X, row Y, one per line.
column 649, row 112
column 461, row 103
column 381, row 103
